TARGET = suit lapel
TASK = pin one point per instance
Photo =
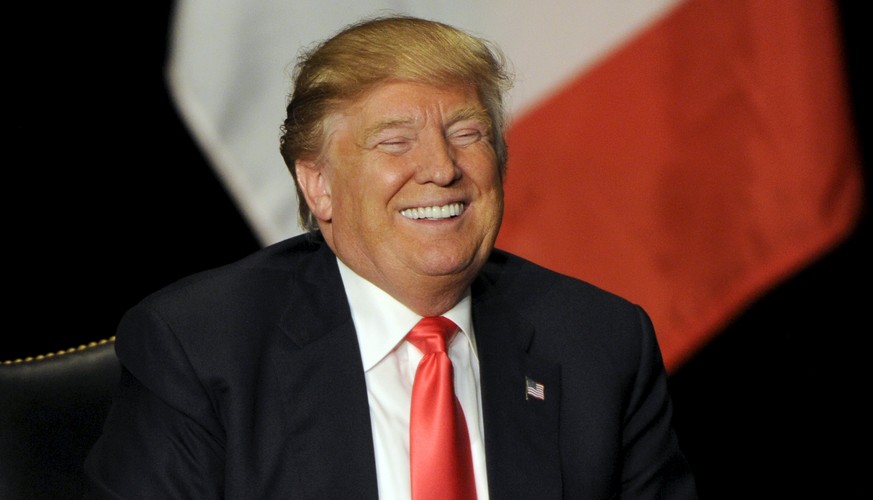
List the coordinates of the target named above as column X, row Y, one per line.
column 329, row 439
column 325, row 397
column 521, row 430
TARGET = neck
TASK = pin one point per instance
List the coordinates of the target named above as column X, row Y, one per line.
column 430, row 301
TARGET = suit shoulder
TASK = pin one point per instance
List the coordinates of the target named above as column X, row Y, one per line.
column 256, row 270
column 572, row 318
column 517, row 278
column 228, row 310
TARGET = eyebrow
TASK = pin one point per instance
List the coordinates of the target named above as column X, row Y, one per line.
column 388, row 123
column 472, row 113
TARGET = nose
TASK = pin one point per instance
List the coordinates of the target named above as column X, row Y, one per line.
column 436, row 162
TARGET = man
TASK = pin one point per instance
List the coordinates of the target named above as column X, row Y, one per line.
column 289, row 375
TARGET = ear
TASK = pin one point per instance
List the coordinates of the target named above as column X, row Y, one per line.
column 316, row 189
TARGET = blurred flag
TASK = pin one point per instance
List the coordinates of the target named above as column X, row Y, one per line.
column 685, row 154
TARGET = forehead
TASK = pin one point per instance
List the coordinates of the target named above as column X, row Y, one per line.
column 400, row 102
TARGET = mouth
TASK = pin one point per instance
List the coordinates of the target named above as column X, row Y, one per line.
column 436, row 212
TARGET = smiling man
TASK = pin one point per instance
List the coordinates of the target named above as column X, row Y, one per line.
column 318, row 367
column 419, row 196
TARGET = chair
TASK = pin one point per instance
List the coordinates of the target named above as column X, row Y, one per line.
column 52, row 409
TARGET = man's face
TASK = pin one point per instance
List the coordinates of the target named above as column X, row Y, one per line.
column 412, row 186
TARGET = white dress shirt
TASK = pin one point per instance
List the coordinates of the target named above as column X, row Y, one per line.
column 390, row 361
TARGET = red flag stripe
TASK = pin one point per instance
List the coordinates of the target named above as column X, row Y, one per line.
column 697, row 166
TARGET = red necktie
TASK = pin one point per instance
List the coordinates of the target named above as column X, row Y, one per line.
column 440, row 458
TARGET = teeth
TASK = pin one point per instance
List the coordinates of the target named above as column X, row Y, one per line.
column 435, row 212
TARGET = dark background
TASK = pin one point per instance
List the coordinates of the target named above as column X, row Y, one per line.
column 109, row 199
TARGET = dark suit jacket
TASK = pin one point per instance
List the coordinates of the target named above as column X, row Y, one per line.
column 245, row 382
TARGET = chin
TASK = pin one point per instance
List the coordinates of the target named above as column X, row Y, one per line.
column 448, row 264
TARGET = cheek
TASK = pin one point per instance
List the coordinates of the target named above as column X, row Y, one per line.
column 381, row 180
column 366, row 192
column 480, row 163
column 487, row 178
column 490, row 186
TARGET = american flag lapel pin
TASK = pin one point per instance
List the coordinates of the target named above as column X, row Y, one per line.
column 534, row 389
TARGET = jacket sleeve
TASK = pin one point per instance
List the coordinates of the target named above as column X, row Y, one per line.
column 162, row 437
column 654, row 466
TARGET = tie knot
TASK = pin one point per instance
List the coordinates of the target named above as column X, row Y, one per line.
column 432, row 333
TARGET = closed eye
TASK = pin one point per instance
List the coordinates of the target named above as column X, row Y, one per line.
column 466, row 137
column 395, row 145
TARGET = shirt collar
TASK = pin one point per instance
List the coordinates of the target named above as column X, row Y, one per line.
column 382, row 322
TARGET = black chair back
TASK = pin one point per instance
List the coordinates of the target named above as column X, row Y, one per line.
column 52, row 410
